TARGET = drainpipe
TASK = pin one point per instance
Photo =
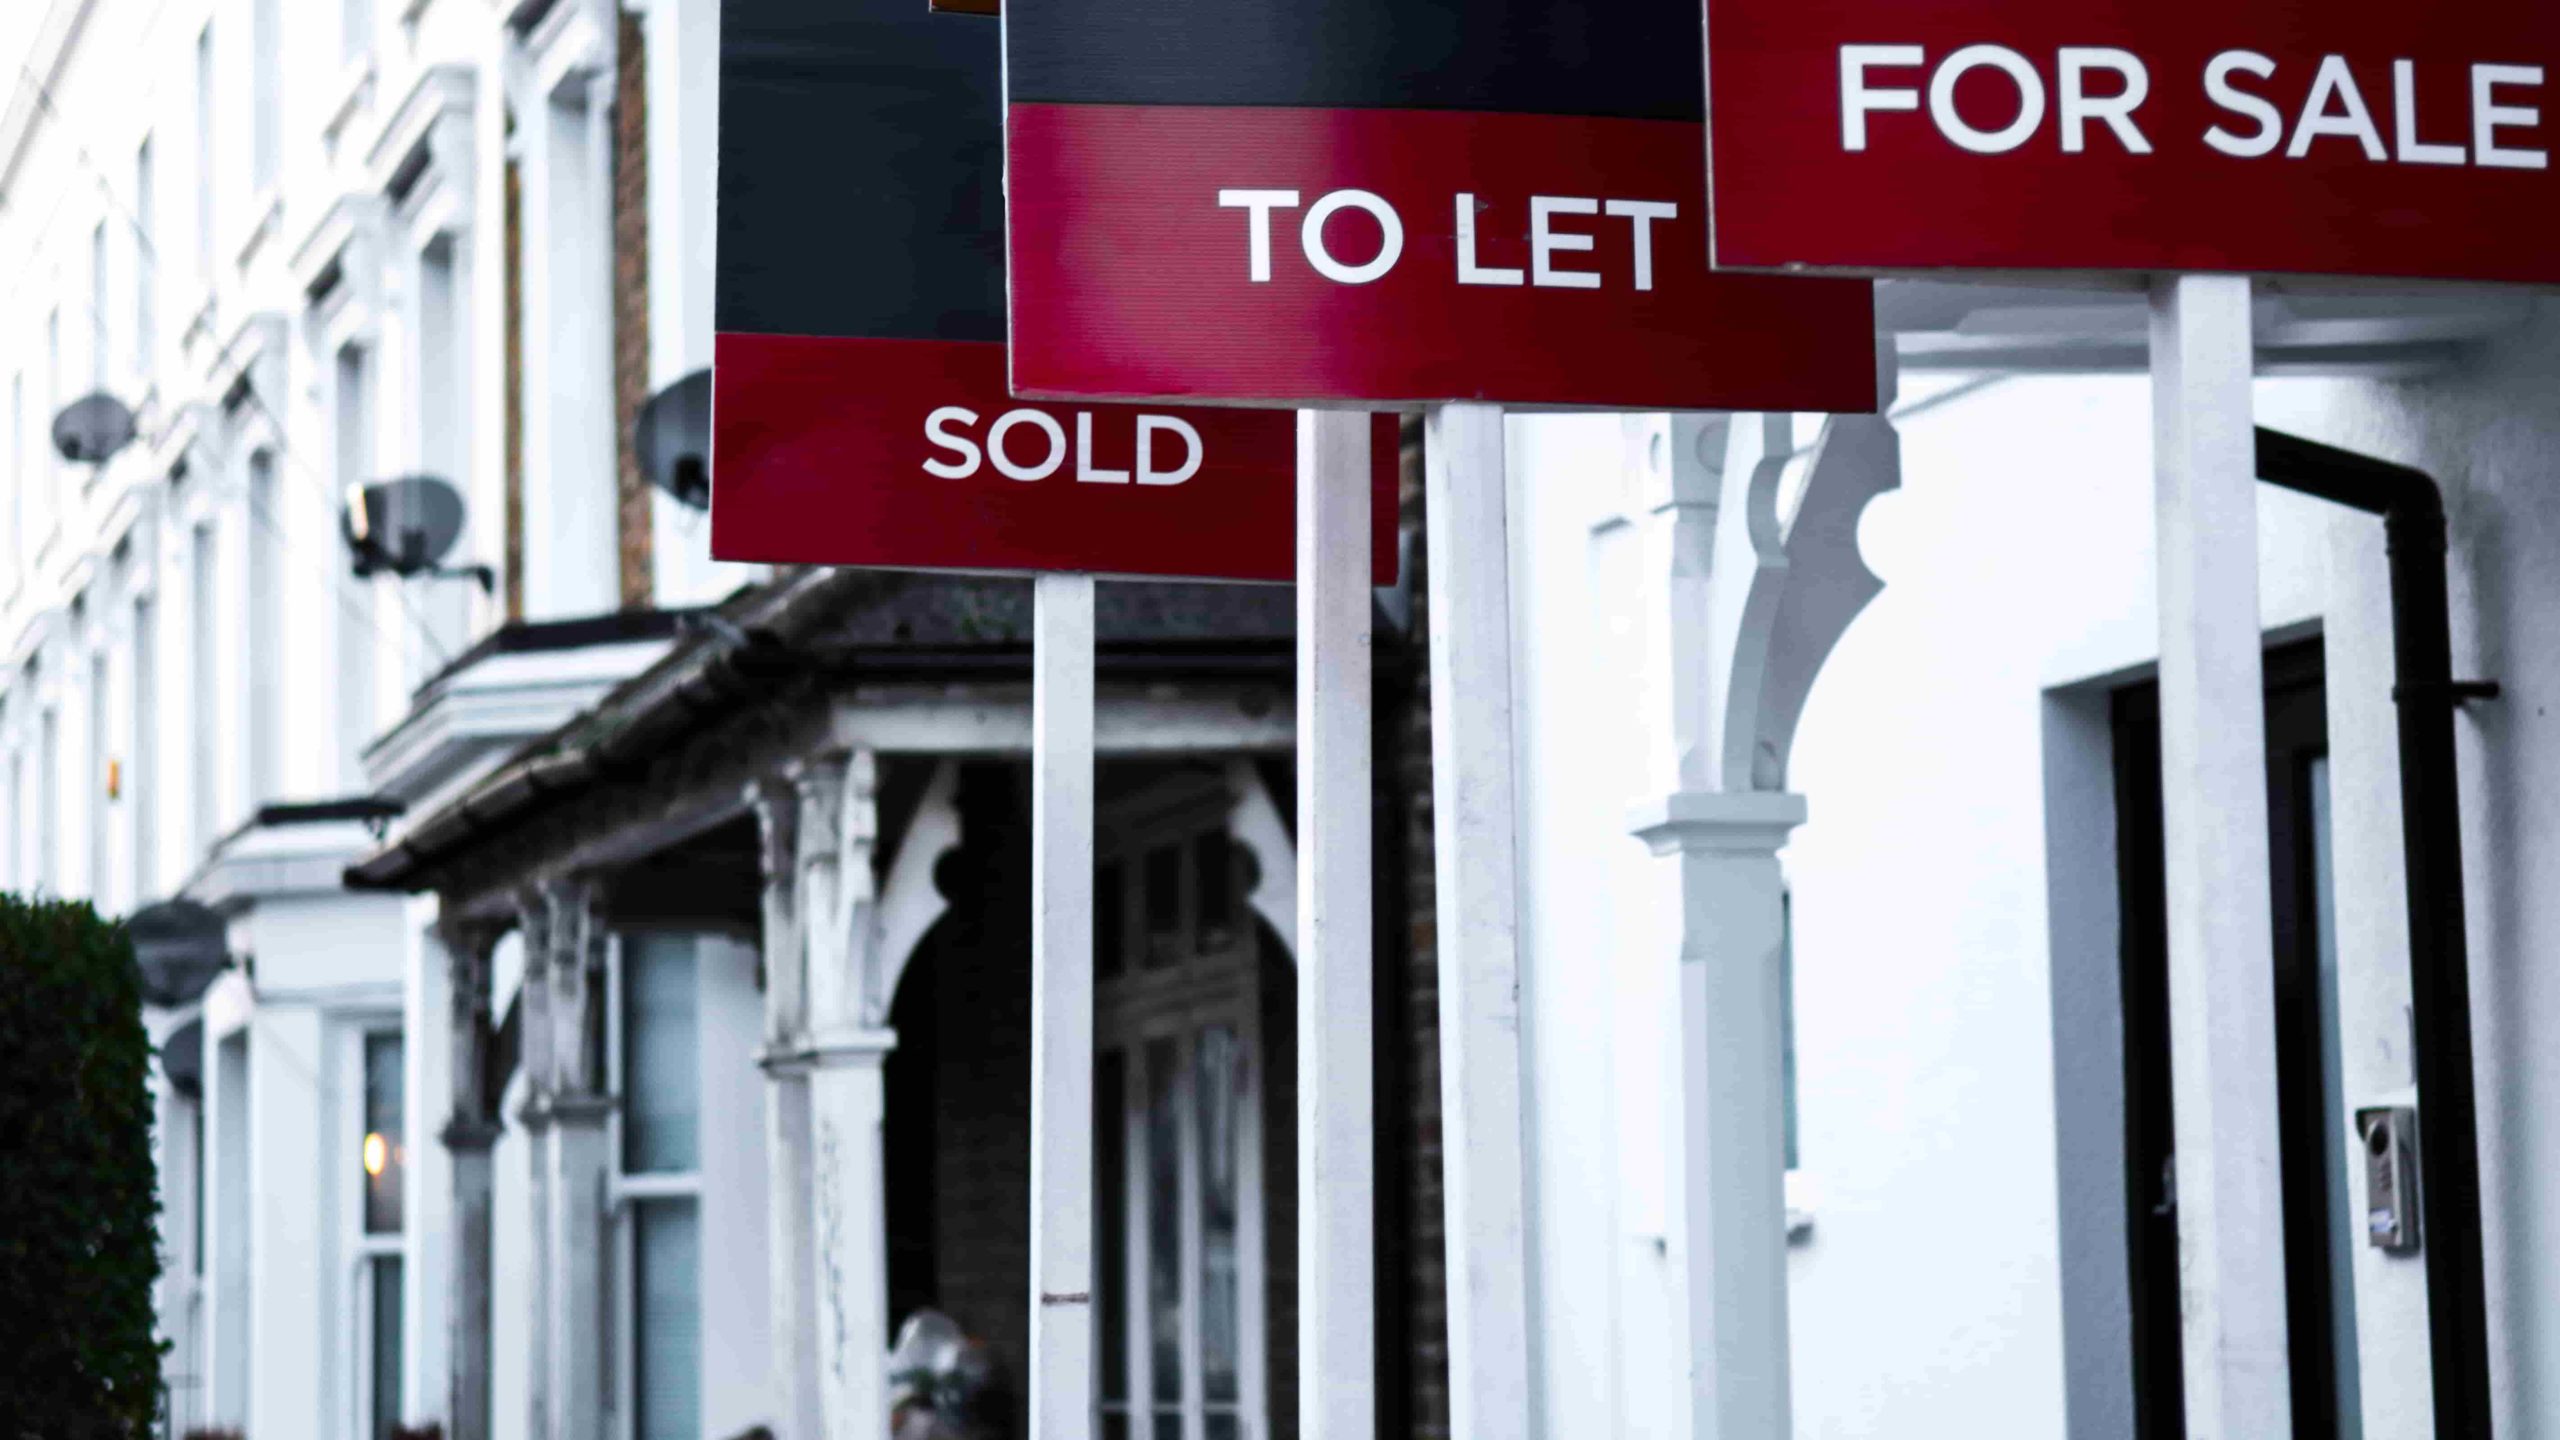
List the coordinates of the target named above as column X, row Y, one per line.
column 2412, row 511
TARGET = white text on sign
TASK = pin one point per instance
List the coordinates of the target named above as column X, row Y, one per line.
column 1560, row 245
column 2095, row 87
column 952, row 428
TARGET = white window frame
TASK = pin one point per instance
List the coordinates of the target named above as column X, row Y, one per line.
column 1176, row 1003
column 626, row 1191
column 360, row 1247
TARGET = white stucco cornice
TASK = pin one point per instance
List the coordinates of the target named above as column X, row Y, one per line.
column 441, row 91
column 572, row 42
column 46, row 58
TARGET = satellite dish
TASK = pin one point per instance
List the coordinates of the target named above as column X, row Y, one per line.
column 91, row 429
column 673, row 438
column 182, row 1058
column 405, row 526
column 178, row 946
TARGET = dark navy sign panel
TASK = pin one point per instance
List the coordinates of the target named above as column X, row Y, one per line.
column 1627, row 58
column 2243, row 136
column 1389, row 202
column 860, row 415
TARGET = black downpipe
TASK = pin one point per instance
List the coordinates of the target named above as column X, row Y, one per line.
column 2412, row 511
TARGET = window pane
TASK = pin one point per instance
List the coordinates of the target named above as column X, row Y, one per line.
column 1164, row 904
column 1226, row 1427
column 384, row 1383
column 1164, row 1221
column 661, row 1089
column 1110, row 921
column 1217, row 868
column 667, row 1330
column 1115, row 1427
column 1215, row 1099
column 384, row 1152
column 1168, row 1425
column 2343, row 1211
column 1111, row 1218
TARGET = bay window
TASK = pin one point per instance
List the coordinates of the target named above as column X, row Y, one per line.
column 382, row 1162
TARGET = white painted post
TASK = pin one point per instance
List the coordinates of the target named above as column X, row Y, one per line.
column 848, row 1216
column 1726, row 1143
column 2213, row 755
column 848, row 1099
column 1337, row 1316
column 1729, row 1209
column 1466, row 514
column 790, row 1186
column 1062, row 1007
column 575, row 1189
column 534, row 1030
column 470, row 1134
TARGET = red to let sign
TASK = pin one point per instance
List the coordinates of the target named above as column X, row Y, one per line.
column 1396, row 202
column 2258, row 136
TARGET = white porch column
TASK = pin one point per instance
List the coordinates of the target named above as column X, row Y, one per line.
column 575, row 1314
column 1466, row 513
column 1729, row 1209
column 850, row 1214
column 469, row 1134
column 1744, row 603
column 2213, row 752
column 789, row 1187
column 533, row 1029
column 839, row 920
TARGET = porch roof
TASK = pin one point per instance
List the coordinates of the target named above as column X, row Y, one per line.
column 774, row 656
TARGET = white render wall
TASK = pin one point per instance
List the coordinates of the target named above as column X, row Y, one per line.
column 226, row 718
column 1946, row 866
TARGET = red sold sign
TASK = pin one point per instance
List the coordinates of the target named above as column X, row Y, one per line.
column 2208, row 135
column 860, row 415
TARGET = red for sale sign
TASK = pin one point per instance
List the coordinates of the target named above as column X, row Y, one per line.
column 2265, row 136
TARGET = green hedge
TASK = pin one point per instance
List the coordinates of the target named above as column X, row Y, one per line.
column 79, row 1250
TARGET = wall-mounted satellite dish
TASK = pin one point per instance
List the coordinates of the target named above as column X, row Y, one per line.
column 178, row 946
column 182, row 1058
column 407, row 526
column 91, row 429
column 673, row 439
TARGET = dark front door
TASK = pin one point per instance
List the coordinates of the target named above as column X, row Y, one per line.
column 2312, row 1128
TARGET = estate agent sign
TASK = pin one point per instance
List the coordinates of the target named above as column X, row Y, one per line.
column 2271, row 136
column 860, row 415
column 1390, row 201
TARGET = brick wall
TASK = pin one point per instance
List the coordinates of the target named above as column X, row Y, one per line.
column 631, row 308
column 1418, row 1235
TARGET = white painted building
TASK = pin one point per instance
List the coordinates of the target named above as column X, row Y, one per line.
column 309, row 245
column 1965, row 1188
column 313, row 243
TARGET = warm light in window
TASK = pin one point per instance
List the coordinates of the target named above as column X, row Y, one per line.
column 377, row 1153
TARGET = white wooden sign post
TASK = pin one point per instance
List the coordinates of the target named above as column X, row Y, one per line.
column 1062, row 684
column 1466, row 509
column 2213, row 752
column 1337, row 1316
